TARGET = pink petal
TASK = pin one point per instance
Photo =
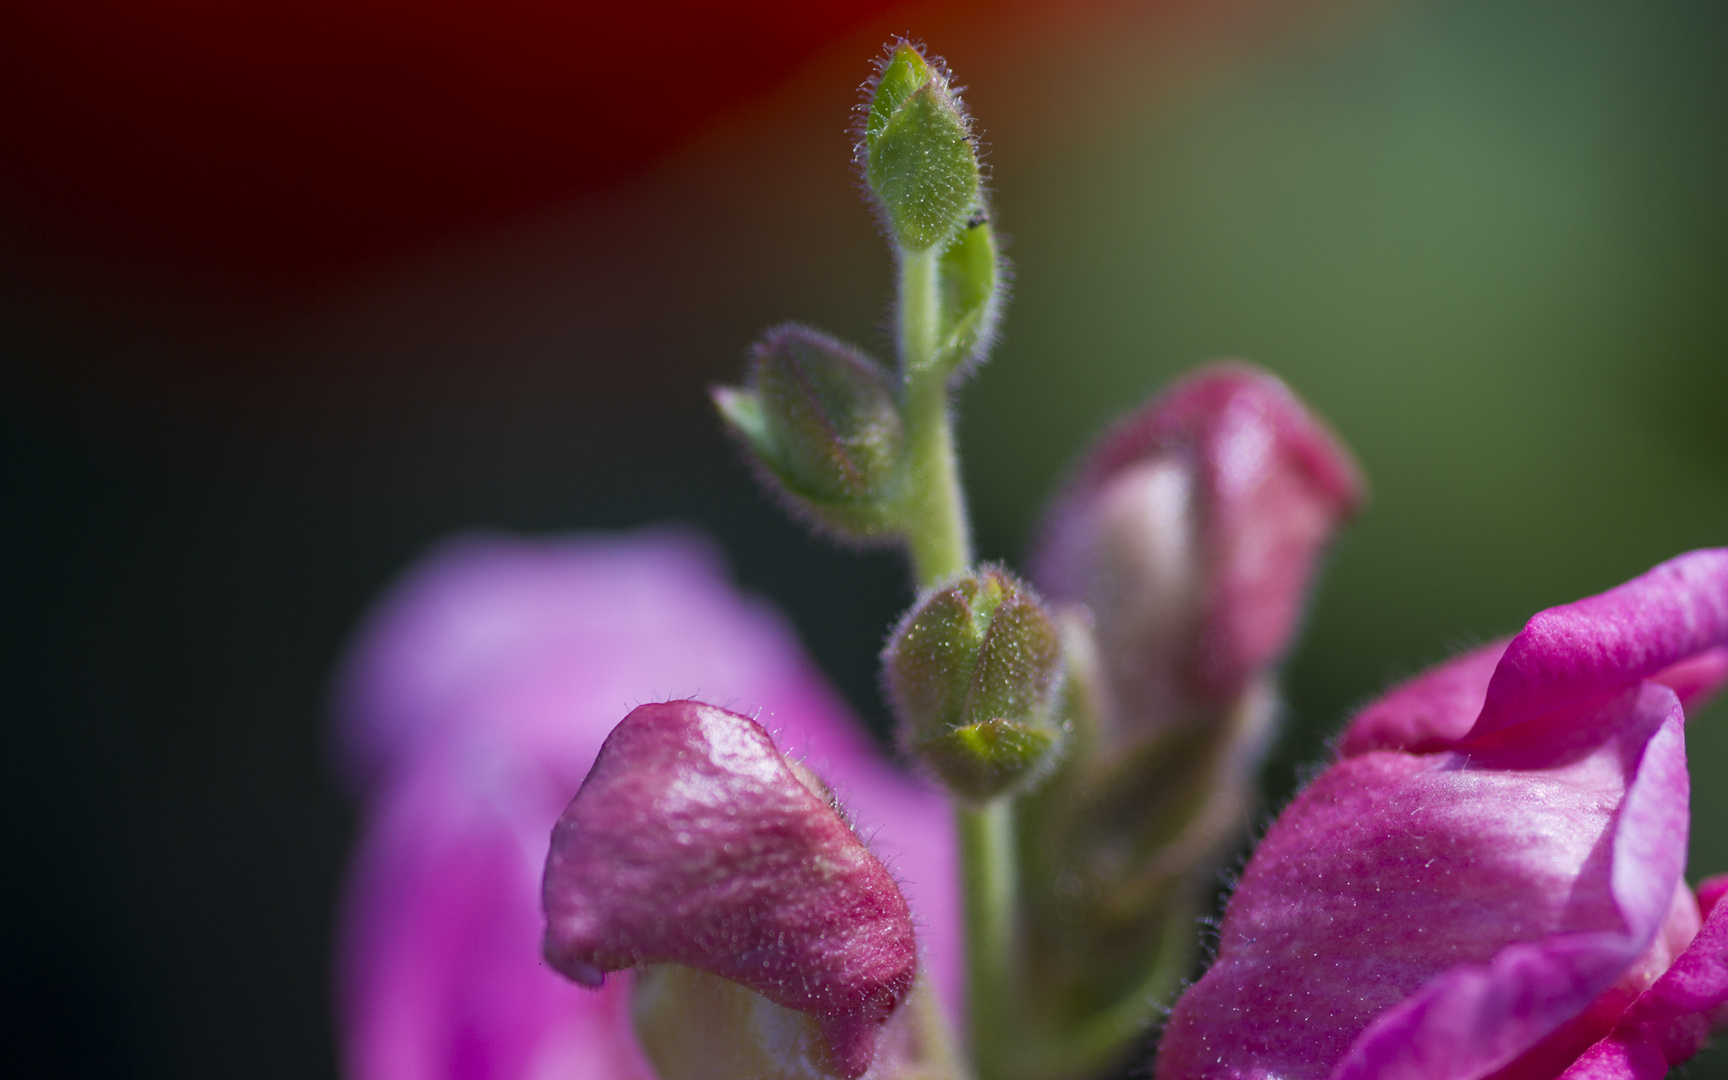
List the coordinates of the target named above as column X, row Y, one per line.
column 1711, row 891
column 1193, row 529
column 1437, row 915
column 1581, row 650
column 692, row 841
column 1433, row 711
column 440, row 943
column 472, row 706
column 1671, row 1020
column 1696, row 679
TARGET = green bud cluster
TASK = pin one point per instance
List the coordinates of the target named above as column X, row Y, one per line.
column 974, row 673
column 920, row 163
column 835, row 434
column 823, row 421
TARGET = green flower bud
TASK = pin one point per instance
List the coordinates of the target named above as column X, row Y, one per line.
column 917, row 152
column 974, row 672
column 823, row 422
column 969, row 282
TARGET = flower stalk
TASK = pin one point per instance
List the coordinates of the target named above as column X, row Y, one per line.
column 939, row 545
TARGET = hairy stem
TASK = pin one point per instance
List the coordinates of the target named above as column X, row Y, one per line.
column 988, row 868
column 935, row 512
column 940, row 545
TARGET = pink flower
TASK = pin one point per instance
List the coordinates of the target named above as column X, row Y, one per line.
column 1489, row 883
column 481, row 690
column 474, row 703
column 1192, row 532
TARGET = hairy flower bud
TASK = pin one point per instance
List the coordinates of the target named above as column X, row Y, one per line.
column 1192, row 532
column 1184, row 547
column 695, row 842
column 823, row 421
column 917, row 153
column 973, row 672
column 969, row 286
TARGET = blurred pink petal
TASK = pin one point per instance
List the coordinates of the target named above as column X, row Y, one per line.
column 1480, row 888
column 473, row 704
column 1192, row 531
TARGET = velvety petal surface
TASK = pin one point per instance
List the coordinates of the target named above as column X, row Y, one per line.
column 1438, row 915
column 1567, row 654
column 472, row 705
column 693, row 841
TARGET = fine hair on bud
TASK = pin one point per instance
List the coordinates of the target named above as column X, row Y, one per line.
column 820, row 423
column 916, row 150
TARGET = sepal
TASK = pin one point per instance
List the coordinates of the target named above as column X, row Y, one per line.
column 970, row 288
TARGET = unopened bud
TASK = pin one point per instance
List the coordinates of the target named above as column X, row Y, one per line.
column 695, row 842
column 1193, row 533
column 917, row 152
column 822, row 419
column 973, row 672
column 969, row 287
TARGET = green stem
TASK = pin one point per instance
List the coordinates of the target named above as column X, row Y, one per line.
column 988, row 869
column 940, row 545
column 935, row 511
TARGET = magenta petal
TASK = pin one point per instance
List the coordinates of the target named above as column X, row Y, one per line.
column 473, row 704
column 1433, row 711
column 1193, row 528
column 1577, row 651
column 442, row 931
column 1436, row 915
column 694, row 842
column 1670, row 1021
column 1710, row 893
column 1696, row 679
column 1472, row 1019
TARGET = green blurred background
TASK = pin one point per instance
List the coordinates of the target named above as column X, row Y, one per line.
column 1487, row 240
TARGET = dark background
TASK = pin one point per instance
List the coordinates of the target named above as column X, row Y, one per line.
column 1486, row 239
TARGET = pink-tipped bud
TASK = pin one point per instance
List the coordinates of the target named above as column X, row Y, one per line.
column 1192, row 532
column 1190, row 535
column 694, row 841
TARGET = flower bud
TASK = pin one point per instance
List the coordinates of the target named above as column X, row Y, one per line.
column 973, row 672
column 1192, row 532
column 822, row 420
column 917, row 152
column 694, row 842
column 1189, row 537
column 970, row 290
